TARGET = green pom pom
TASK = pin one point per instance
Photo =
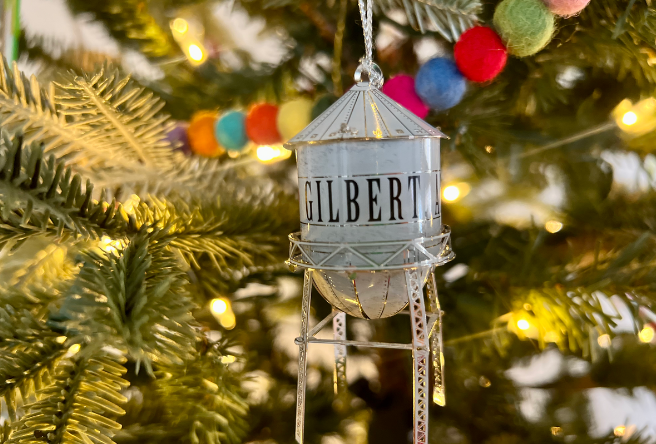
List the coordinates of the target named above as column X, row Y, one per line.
column 526, row 26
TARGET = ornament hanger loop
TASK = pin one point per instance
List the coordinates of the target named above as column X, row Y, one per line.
column 367, row 65
column 373, row 71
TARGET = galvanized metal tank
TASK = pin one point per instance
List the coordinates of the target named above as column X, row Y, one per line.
column 369, row 196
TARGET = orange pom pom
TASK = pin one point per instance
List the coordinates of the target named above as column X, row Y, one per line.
column 201, row 135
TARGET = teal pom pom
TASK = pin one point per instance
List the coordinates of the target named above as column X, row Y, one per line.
column 439, row 84
column 230, row 131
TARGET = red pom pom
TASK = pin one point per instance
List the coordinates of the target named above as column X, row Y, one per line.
column 261, row 126
column 480, row 54
column 402, row 89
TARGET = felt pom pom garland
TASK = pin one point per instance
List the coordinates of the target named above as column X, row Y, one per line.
column 480, row 54
column 523, row 27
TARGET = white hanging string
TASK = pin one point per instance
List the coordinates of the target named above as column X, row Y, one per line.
column 367, row 64
column 366, row 12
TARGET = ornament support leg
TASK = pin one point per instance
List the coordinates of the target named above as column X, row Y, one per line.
column 339, row 334
column 439, row 393
column 420, row 354
column 302, row 357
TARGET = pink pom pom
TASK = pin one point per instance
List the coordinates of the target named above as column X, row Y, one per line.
column 401, row 88
column 566, row 7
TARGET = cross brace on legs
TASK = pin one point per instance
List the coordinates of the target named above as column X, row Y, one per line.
column 421, row 346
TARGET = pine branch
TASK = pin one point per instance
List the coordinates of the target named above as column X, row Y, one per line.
column 449, row 18
column 134, row 299
column 243, row 228
column 28, row 109
column 46, row 269
column 130, row 117
column 104, row 126
column 204, row 400
column 29, row 351
column 132, row 24
column 44, row 197
column 80, row 404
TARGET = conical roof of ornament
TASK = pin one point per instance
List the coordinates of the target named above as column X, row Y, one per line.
column 364, row 113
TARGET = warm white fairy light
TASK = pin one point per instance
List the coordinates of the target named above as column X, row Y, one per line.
column 195, row 53
column 523, row 324
column 180, row 25
column 267, row 153
column 109, row 245
column 451, row 193
column 228, row 359
column 646, row 335
column 228, row 320
column 629, row 118
column 553, row 226
column 604, row 341
column 218, row 306
column 636, row 119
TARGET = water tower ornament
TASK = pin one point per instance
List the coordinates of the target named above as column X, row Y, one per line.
column 371, row 229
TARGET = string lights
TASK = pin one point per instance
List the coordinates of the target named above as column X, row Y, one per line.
column 646, row 335
column 636, row 119
column 222, row 311
column 553, row 226
column 189, row 37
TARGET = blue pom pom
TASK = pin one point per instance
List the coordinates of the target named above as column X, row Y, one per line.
column 230, row 131
column 440, row 84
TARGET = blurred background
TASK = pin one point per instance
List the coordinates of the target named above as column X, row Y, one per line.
column 548, row 182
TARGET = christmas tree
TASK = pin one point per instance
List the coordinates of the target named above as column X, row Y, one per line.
column 144, row 296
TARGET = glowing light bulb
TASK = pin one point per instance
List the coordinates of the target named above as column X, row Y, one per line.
column 553, row 226
column 195, row 53
column 451, row 193
column 218, row 306
column 228, row 320
column 646, row 334
column 619, row 430
column 523, row 324
column 604, row 341
column 73, row 349
column 266, row 153
column 180, row 25
column 629, row 118
column 228, row 359
column 556, row 431
column 109, row 245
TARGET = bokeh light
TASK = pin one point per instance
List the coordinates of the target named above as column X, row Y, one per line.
column 523, row 324
column 629, row 118
column 646, row 334
column 553, row 226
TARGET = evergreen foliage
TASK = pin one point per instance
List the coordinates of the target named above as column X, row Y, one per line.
column 66, row 334
column 130, row 283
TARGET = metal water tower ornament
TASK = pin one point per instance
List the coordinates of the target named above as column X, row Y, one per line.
column 371, row 228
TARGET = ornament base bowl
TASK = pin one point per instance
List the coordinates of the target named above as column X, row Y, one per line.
column 367, row 279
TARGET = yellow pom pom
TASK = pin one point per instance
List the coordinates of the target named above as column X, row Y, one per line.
column 201, row 135
column 293, row 117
